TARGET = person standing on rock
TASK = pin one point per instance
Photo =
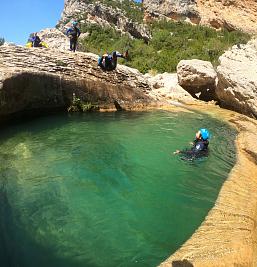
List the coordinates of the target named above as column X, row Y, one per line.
column 73, row 33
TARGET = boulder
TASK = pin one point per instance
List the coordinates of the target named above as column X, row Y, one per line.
column 54, row 39
column 165, row 86
column 198, row 77
column 237, row 79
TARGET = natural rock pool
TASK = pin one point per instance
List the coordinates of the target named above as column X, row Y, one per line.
column 105, row 190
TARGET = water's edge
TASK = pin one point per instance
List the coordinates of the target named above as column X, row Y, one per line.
column 228, row 235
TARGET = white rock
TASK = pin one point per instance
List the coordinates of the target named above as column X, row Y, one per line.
column 196, row 74
column 237, row 79
column 54, row 38
column 166, row 86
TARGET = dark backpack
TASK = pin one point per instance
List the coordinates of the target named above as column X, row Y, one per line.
column 73, row 32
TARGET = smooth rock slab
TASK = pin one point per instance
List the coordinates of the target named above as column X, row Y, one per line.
column 237, row 79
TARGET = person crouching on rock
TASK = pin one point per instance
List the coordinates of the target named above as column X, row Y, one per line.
column 36, row 42
column 199, row 146
column 73, row 33
column 109, row 61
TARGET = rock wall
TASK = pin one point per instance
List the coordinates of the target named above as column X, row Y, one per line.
column 45, row 79
column 175, row 9
column 102, row 14
column 228, row 14
column 197, row 77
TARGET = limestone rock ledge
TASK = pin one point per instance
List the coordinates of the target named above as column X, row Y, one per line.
column 34, row 79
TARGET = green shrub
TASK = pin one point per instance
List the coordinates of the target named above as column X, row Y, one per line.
column 170, row 43
column 78, row 105
column 131, row 9
column 61, row 63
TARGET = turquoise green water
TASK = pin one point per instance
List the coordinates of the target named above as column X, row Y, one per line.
column 105, row 190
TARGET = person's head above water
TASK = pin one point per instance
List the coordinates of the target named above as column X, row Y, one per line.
column 202, row 134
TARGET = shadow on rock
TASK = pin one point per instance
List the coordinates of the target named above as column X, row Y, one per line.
column 184, row 263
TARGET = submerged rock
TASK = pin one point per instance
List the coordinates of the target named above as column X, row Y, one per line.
column 237, row 79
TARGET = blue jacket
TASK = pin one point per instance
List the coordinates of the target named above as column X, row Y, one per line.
column 73, row 31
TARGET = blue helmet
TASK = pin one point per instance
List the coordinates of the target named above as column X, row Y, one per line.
column 205, row 134
column 74, row 23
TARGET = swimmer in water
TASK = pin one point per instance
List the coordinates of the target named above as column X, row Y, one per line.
column 199, row 146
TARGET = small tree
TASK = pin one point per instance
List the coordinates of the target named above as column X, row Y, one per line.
column 1, row 41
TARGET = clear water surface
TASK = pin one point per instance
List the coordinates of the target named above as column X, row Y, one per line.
column 105, row 190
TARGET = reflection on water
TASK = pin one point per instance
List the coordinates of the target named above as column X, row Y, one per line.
column 105, row 190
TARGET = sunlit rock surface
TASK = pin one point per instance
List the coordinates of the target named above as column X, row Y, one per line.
column 197, row 77
column 38, row 78
column 222, row 14
column 237, row 79
column 102, row 14
column 55, row 39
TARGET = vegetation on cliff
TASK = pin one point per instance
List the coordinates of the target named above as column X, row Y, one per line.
column 131, row 9
column 170, row 43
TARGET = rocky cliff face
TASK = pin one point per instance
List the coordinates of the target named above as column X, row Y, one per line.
column 229, row 14
column 37, row 79
column 175, row 9
column 109, row 13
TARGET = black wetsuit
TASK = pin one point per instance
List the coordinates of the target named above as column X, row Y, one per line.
column 36, row 41
column 198, row 150
column 109, row 62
